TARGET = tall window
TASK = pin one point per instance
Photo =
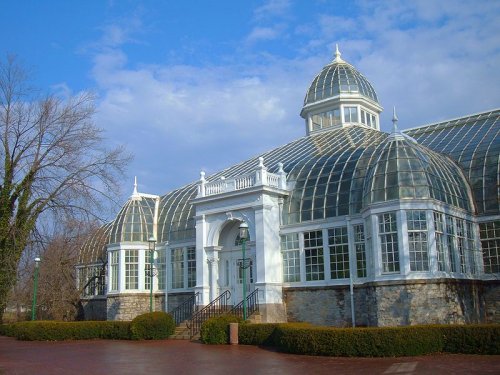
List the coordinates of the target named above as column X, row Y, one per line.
column 313, row 250
column 351, row 114
column 388, row 232
column 82, row 279
column 183, row 267
column 177, row 268
column 359, row 243
column 114, row 259
column 339, row 253
column 191, row 267
column 291, row 257
column 450, row 237
column 461, row 244
column 131, row 269
column 490, row 243
column 471, row 247
column 440, row 240
column 417, row 239
column 162, row 269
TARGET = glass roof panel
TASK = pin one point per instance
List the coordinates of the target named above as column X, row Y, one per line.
column 474, row 143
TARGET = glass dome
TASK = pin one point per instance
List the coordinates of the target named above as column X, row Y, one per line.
column 94, row 249
column 134, row 222
column 404, row 169
column 339, row 77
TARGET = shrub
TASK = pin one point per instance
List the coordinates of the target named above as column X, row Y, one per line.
column 388, row 341
column 53, row 330
column 471, row 339
column 152, row 326
column 374, row 342
column 257, row 334
column 264, row 334
column 216, row 330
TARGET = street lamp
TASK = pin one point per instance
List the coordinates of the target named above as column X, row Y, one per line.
column 33, row 308
column 244, row 265
column 152, row 244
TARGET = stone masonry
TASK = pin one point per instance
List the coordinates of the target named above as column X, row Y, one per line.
column 395, row 303
column 128, row 306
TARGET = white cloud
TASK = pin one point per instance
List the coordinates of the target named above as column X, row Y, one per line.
column 272, row 8
column 433, row 60
column 264, row 33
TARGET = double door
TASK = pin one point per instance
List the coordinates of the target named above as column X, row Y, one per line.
column 233, row 271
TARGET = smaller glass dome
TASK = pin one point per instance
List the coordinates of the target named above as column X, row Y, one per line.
column 134, row 222
column 407, row 170
column 336, row 78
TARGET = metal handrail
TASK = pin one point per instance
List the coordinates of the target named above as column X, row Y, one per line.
column 185, row 310
column 217, row 307
column 252, row 305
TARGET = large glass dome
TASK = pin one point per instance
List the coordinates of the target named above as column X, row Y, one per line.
column 404, row 169
column 339, row 77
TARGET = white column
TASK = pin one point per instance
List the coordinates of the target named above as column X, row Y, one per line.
column 269, row 266
column 403, row 245
column 202, row 272
column 431, row 242
column 121, row 272
column 213, row 270
column 352, row 267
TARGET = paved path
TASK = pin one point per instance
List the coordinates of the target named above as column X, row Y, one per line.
column 183, row 357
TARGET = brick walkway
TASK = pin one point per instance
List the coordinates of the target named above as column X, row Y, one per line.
column 183, row 357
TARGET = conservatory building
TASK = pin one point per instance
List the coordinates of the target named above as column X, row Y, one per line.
column 347, row 225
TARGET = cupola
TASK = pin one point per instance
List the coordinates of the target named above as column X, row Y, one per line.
column 340, row 96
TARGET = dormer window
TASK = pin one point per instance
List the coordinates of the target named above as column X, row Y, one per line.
column 368, row 119
column 351, row 114
column 326, row 119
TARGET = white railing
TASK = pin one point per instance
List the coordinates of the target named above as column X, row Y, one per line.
column 216, row 187
column 273, row 180
column 243, row 182
column 260, row 177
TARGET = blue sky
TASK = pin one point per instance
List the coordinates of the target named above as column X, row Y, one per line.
column 191, row 85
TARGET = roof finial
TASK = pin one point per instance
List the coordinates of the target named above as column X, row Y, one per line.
column 394, row 120
column 135, row 194
column 337, row 54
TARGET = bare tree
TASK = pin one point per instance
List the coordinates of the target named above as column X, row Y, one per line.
column 54, row 161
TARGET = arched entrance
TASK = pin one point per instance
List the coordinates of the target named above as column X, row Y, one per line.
column 231, row 265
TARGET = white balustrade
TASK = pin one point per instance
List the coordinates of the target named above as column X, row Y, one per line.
column 260, row 177
column 273, row 180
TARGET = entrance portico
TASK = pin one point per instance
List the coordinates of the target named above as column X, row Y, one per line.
column 221, row 207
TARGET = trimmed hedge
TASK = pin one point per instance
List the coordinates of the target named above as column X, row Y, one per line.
column 156, row 325
column 52, row 331
column 374, row 342
column 264, row 333
column 216, row 330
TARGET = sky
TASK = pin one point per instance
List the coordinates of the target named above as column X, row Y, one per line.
column 199, row 85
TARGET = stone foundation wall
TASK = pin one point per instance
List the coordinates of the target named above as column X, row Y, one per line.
column 322, row 306
column 128, row 306
column 94, row 308
column 492, row 301
column 392, row 303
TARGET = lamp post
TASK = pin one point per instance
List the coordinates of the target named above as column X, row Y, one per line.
column 152, row 244
column 35, row 288
column 244, row 266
